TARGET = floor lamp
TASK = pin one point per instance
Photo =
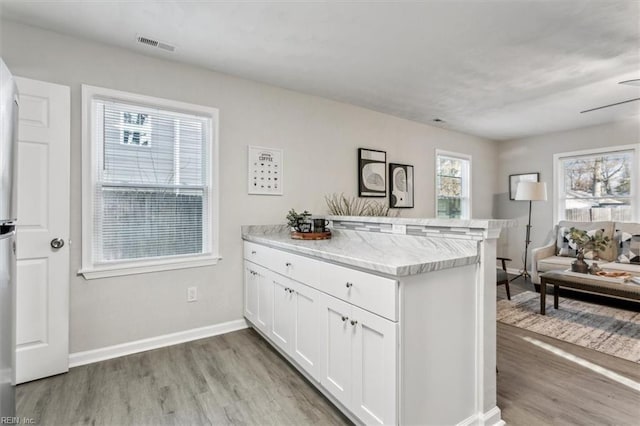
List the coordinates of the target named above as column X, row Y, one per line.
column 529, row 191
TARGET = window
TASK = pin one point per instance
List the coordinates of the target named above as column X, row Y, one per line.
column 453, row 185
column 597, row 185
column 149, row 195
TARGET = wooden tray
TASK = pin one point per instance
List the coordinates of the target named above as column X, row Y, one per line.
column 311, row 235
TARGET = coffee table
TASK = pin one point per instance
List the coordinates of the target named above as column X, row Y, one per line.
column 588, row 283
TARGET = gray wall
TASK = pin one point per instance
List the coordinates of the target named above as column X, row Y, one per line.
column 535, row 154
column 320, row 140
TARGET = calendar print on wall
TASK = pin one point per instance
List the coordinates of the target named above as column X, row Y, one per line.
column 265, row 171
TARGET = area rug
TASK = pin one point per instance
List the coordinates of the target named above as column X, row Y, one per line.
column 602, row 328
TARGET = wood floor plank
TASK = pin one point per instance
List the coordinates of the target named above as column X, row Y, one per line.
column 238, row 379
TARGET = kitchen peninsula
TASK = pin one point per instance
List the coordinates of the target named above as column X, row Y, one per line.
column 392, row 319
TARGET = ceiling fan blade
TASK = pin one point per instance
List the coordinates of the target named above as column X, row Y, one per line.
column 610, row 105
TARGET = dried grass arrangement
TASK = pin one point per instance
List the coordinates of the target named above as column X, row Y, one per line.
column 341, row 205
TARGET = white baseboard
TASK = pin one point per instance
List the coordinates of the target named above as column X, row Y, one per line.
column 94, row 355
column 514, row 271
column 491, row 417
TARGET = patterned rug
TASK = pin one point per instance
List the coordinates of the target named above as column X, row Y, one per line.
column 602, row 328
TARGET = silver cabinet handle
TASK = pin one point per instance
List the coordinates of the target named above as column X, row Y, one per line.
column 287, row 264
column 344, row 318
column 57, row 243
column 349, row 285
column 253, row 252
column 354, row 322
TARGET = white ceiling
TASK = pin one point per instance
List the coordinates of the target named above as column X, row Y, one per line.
column 497, row 69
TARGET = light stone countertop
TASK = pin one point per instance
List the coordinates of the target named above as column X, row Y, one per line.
column 392, row 254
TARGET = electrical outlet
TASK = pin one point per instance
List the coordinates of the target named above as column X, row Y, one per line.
column 192, row 294
column 398, row 228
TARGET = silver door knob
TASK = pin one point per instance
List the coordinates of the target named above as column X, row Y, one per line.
column 57, row 243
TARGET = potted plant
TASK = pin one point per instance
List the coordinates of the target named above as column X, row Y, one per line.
column 596, row 242
column 299, row 221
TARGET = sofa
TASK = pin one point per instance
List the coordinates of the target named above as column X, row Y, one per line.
column 623, row 254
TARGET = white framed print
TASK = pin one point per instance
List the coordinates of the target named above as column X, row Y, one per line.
column 266, row 171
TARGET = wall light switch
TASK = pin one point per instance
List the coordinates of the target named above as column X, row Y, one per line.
column 398, row 229
column 192, row 294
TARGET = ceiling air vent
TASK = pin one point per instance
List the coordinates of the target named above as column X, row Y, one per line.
column 155, row 43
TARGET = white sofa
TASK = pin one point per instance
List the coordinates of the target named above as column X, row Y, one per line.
column 546, row 258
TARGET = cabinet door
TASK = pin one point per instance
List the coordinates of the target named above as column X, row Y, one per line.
column 306, row 323
column 374, row 374
column 250, row 292
column 335, row 347
column 282, row 326
column 264, row 287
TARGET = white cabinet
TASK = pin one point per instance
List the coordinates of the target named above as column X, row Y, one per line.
column 258, row 302
column 282, row 328
column 295, row 323
column 250, row 292
column 374, row 349
column 306, row 341
column 360, row 353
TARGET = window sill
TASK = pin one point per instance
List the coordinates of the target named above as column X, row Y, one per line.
column 145, row 267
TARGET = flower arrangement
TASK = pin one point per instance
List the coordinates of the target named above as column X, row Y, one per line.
column 341, row 205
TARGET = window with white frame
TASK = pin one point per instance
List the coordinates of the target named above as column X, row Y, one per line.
column 149, row 195
column 597, row 185
column 453, row 185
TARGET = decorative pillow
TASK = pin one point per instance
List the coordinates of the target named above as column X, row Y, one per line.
column 628, row 247
column 565, row 245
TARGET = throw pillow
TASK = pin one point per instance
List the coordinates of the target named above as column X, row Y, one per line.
column 565, row 245
column 628, row 247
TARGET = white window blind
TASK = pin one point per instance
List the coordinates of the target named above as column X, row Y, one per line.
column 152, row 177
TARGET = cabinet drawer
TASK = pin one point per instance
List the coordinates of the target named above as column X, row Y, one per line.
column 261, row 255
column 371, row 292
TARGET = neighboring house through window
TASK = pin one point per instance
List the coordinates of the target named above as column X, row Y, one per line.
column 149, row 187
column 453, row 185
column 597, row 185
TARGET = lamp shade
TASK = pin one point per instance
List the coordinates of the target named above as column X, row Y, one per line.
column 531, row 191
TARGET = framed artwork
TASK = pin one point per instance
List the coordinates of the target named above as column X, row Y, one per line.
column 514, row 180
column 372, row 167
column 265, row 171
column 400, row 186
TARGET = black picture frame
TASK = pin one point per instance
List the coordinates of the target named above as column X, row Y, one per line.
column 521, row 177
column 401, row 190
column 372, row 176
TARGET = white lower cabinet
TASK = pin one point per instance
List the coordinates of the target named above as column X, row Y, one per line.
column 360, row 351
column 258, row 304
column 350, row 351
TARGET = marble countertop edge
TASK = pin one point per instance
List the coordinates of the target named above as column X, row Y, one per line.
column 341, row 250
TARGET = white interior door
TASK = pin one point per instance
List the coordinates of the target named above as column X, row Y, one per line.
column 42, row 290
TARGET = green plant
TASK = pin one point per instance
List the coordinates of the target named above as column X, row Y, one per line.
column 597, row 242
column 341, row 205
column 294, row 218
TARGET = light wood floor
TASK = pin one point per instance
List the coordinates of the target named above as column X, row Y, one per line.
column 238, row 378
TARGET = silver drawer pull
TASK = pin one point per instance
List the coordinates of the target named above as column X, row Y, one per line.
column 253, row 252
column 354, row 322
column 349, row 285
column 344, row 318
column 288, row 264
